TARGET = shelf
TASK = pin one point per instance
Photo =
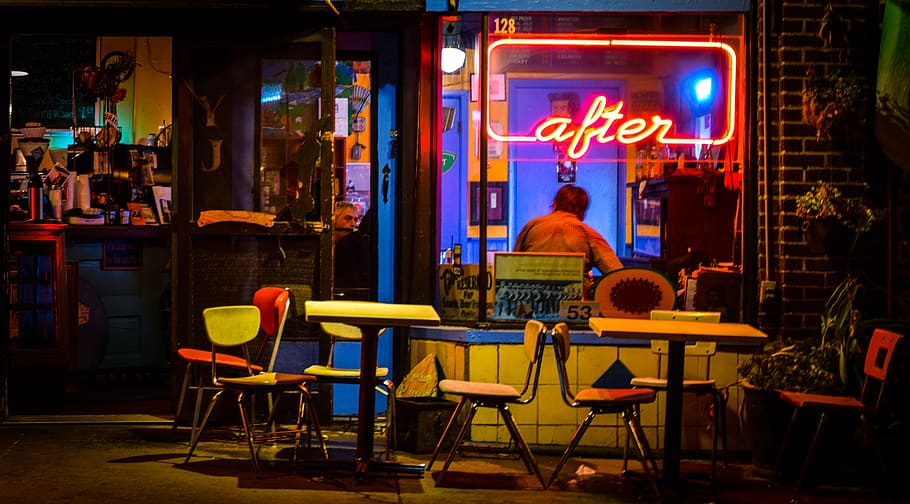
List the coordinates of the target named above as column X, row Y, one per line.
column 103, row 232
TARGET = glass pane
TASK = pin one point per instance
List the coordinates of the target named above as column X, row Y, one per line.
column 602, row 101
column 289, row 129
column 353, row 180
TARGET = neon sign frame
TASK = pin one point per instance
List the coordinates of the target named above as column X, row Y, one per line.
column 600, row 123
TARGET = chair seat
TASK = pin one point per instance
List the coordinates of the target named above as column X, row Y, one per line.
column 196, row 355
column 266, row 379
column 660, row 383
column 615, row 395
column 321, row 370
column 478, row 389
column 801, row 400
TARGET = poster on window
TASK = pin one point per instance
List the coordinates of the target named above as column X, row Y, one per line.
column 531, row 285
column 459, row 294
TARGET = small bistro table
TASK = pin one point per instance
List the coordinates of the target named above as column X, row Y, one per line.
column 677, row 332
column 371, row 318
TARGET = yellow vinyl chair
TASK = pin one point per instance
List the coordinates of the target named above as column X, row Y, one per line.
column 706, row 387
column 624, row 401
column 273, row 303
column 476, row 395
column 233, row 327
column 340, row 333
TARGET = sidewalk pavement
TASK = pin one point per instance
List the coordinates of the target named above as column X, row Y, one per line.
column 139, row 460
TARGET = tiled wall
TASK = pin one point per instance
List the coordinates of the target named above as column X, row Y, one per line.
column 548, row 421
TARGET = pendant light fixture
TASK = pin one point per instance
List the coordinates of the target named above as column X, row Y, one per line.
column 453, row 53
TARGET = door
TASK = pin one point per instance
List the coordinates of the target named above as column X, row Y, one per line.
column 533, row 174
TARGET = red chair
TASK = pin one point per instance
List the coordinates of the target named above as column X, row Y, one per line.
column 624, row 401
column 865, row 407
column 236, row 327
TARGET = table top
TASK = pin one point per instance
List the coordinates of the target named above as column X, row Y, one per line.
column 371, row 313
column 676, row 330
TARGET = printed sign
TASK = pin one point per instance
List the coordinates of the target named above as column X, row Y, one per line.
column 459, row 293
column 534, row 285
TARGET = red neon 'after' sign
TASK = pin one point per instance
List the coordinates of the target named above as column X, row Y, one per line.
column 606, row 122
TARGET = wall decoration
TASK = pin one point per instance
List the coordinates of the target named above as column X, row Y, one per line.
column 496, row 87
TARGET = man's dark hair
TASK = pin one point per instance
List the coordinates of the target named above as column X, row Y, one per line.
column 571, row 198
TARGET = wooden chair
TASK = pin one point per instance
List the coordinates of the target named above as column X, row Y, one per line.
column 624, row 401
column 706, row 387
column 864, row 408
column 235, row 327
column 340, row 333
column 476, row 395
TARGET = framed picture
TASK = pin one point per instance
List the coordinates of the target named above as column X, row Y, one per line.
column 162, row 195
column 121, row 255
column 497, row 203
column 496, row 87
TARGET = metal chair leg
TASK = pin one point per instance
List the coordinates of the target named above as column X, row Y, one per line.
column 254, row 452
column 445, row 433
column 197, row 429
column 809, row 456
column 459, row 438
column 644, row 450
column 523, row 449
column 573, row 443
column 783, row 447
column 183, row 387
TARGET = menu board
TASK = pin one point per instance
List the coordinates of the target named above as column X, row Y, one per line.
column 47, row 94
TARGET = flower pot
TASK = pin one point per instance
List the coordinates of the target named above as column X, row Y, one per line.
column 766, row 420
column 829, row 236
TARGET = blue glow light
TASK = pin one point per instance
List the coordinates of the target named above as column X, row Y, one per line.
column 703, row 89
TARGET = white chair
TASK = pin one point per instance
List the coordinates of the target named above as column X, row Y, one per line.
column 475, row 394
column 328, row 373
column 706, row 387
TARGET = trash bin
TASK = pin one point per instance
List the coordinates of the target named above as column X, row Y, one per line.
column 420, row 422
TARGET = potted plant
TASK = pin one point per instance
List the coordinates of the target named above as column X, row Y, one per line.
column 822, row 364
column 831, row 100
column 832, row 222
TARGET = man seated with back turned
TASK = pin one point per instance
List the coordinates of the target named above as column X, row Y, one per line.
column 562, row 230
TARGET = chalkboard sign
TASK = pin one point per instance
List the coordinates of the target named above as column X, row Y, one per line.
column 45, row 95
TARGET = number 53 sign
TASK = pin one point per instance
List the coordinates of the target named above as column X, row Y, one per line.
column 578, row 310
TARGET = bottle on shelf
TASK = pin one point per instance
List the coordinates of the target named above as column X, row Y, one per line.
column 35, row 196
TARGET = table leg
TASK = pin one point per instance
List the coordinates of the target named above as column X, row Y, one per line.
column 673, row 417
column 366, row 405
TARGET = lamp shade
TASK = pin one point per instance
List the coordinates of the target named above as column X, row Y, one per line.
column 453, row 54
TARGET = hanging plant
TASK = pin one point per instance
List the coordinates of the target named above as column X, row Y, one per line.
column 103, row 82
column 831, row 100
column 825, row 201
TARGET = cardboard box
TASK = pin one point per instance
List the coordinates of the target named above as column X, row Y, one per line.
column 420, row 422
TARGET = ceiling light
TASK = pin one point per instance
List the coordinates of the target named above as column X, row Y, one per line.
column 453, row 55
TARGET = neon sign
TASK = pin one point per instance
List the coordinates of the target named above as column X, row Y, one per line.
column 606, row 122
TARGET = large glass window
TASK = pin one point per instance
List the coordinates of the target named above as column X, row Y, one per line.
column 613, row 103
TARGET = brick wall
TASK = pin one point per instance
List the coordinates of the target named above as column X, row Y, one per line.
column 792, row 158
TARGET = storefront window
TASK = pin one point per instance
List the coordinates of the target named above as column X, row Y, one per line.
column 612, row 103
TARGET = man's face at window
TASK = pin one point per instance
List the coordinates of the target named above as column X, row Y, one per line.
column 346, row 219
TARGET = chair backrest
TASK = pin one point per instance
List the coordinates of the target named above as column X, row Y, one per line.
column 231, row 326
column 634, row 292
column 878, row 360
column 274, row 304
column 562, row 347
column 338, row 331
column 535, row 338
column 697, row 349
